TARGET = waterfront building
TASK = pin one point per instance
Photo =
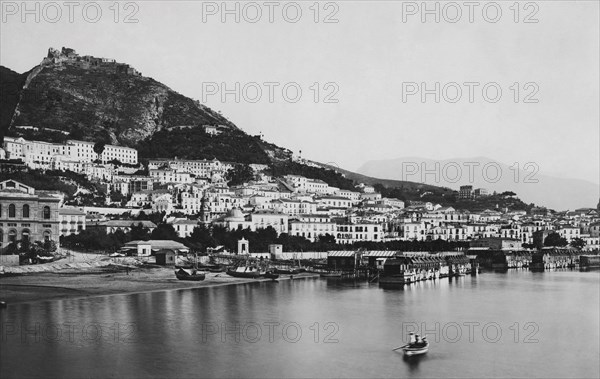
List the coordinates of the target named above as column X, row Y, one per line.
column 27, row 214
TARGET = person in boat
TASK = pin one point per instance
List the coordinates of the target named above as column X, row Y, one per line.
column 417, row 339
column 411, row 338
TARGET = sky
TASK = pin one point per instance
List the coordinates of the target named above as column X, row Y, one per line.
column 352, row 81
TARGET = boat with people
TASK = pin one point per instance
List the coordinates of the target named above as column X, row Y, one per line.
column 416, row 345
column 189, row 274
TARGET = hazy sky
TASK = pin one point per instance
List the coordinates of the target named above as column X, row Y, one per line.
column 371, row 55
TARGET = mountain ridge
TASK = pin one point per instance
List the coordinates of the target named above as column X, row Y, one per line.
column 532, row 185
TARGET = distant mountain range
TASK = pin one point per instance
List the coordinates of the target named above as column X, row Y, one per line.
column 527, row 181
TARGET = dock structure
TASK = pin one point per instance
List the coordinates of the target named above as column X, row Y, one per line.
column 553, row 258
column 589, row 262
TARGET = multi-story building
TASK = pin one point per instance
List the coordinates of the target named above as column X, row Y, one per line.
column 465, row 192
column 354, row 196
column 72, row 221
column 27, row 214
column 569, row 233
column 277, row 220
column 39, row 154
column 184, row 228
column 334, row 201
column 349, row 233
column 164, row 176
column 311, row 226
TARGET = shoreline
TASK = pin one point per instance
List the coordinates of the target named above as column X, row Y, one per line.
column 51, row 286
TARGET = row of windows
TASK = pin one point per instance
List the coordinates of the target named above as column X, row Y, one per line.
column 25, row 212
column 25, row 234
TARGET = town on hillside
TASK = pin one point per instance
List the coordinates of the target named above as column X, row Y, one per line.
column 209, row 205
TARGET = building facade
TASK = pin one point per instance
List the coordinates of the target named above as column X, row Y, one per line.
column 27, row 214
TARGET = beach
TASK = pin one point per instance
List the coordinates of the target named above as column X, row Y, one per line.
column 77, row 280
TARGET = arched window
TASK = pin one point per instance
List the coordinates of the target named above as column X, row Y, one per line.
column 46, row 214
column 12, row 236
column 12, row 212
column 25, row 211
column 47, row 235
column 25, row 235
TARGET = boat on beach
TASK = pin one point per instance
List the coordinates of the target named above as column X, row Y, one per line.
column 270, row 275
column 189, row 274
column 248, row 272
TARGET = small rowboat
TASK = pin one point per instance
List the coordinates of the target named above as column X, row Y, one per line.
column 415, row 348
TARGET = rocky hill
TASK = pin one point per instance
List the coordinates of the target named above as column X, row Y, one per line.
column 99, row 99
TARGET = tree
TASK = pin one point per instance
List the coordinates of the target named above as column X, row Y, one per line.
column 554, row 239
column 164, row 232
column 201, row 235
column 538, row 239
column 578, row 243
column 99, row 148
column 139, row 232
column 239, row 174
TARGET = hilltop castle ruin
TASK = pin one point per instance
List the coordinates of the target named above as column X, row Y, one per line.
column 67, row 55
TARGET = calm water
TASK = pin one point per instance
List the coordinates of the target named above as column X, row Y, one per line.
column 522, row 324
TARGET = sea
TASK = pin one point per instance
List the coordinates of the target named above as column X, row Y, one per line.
column 494, row 325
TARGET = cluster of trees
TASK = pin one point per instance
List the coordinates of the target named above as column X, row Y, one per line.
column 204, row 237
column 98, row 239
column 29, row 251
column 553, row 240
column 194, row 143
column 240, row 174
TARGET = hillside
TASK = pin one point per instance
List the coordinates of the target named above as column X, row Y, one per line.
column 99, row 99
column 10, row 89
